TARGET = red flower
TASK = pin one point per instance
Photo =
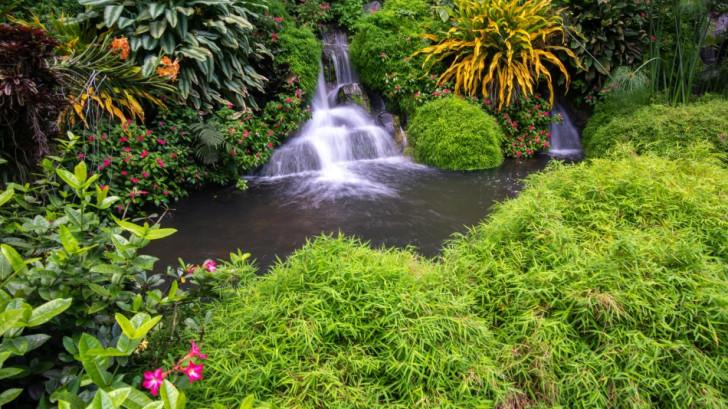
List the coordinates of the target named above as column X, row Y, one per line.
column 161, row 141
column 160, row 162
column 124, row 173
column 127, row 149
column 145, row 174
column 123, row 139
column 270, row 145
column 144, row 154
column 134, row 180
column 149, row 132
column 278, row 19
column 81, row 156
column 274, row 37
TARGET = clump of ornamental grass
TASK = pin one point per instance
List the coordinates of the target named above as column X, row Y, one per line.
column 662, row 129
column 605, row 284
column 339, row 325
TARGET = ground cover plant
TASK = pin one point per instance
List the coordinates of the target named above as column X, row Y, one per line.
column 452, row 133
column 663, row 129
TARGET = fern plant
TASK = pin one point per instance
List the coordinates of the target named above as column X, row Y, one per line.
column 500, row 48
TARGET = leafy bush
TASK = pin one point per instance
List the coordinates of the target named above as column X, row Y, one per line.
column 340, row 325
column 31, row 96
column 664, row 130
column 501, row 48
column 451, row 133
column 299, row 54
column 604, row 35
column 526, row 125
column 212, row 42
column 606, row 280
column 382, row 47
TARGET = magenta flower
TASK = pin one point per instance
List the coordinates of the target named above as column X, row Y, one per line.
column 193, row 371
column 145, row 174
column 107, row 162
column 153, row 380
column 209, row 265
column 144, row 154
column 195, row 350
column 81, row 156
column 160, row 162
column 149, row 131
column 161, row 141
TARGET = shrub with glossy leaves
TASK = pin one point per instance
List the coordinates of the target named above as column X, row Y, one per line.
column 605, row 283
column 663, row 129
column 451, row 133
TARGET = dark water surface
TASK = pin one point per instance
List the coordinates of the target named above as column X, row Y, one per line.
column 397, row 204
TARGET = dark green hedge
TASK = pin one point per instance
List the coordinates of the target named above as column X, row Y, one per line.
column 451, row 133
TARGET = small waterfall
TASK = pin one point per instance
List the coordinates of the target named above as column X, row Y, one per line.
column 565, row 143
column 336, row 136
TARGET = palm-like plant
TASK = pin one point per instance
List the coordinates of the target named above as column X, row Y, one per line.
column 500, row 48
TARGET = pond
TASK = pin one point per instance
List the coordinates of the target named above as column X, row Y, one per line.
column 400, row 204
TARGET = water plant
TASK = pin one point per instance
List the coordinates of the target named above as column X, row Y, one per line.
column 501, row 48
column 452, row 133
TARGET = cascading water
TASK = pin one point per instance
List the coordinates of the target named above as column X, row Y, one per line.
column 565, row 143
column 339, row 139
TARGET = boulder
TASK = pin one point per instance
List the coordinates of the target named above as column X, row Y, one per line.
column 353, row 94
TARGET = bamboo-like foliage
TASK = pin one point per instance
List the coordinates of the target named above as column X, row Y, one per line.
column 500, row 48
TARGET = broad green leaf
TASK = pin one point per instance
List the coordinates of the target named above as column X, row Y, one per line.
column 101, row 400
column 143, row 329
column 139, row 400
column 105, row 352
column 135, row 229
column 6, row 195
column 47, row 311
column 69, row 243
column 248, row 402
column 96, row 370
column 69, row 178
column 9, row 372
column 156, row 9
column 9, row 395
column 14, row 258
column 118, row 396
column 156, row 28
column 11, row 319
column 171, row 16
column 112, row 14
column 80, row 172
column 33, row 341
column 155, row 234
column 126, row 326
column 172, row 398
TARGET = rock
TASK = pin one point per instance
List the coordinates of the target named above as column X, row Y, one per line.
column 391, row 123
column 372, row 7
column 352, row 94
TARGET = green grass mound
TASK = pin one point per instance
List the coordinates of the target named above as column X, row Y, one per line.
column 452, row 133
column 662, row 129
column 606, row 284
column 340, row 325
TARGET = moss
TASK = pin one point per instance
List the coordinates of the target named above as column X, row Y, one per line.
column 663, row 129
column 608, row 280
column 451, row 133
column 300, row 51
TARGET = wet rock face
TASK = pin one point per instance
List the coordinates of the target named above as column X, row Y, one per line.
column 353, row 94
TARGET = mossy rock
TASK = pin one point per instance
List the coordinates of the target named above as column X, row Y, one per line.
column 452, row 133
column 661, row 129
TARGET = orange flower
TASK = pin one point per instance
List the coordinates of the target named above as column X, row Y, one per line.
column 168, row 68
column 121, row 45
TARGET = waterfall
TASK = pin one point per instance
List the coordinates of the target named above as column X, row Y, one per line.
column 565, row 143
column 337, row 135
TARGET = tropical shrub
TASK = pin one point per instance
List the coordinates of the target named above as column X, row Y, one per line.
column 31, row 96
column 604, row 35
column 451, row 133
column 211, row 42
column 382, row 51
column 526, row 125
column 347, row 12
column 298, row 55
column 340, row 325
column 605, row 282
column 501, row 48
column 664, row 130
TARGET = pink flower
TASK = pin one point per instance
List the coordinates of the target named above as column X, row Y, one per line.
column 81, row 156
column 145, row 174
column 165, row 193
column 91, row 138
column 144, row 154
column 124, row 173
column 127, row 149
column 278, row 19
column 246, row 134
column 274, row 37
column 194, row 349
column 288, row 100
column 209, row 265
column 299, row 93
column 193, row 371
column 270, row 145
column 107, row 162
column 149, row 131
column 161, row 141
column 160, row 162
column 123, row 139
column 134, row 180
column 104, row 136
column 153, row 380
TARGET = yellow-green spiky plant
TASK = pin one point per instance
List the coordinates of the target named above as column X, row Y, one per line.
column 500, row 48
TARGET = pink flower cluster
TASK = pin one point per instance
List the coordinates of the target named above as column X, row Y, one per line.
column 153, row 380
